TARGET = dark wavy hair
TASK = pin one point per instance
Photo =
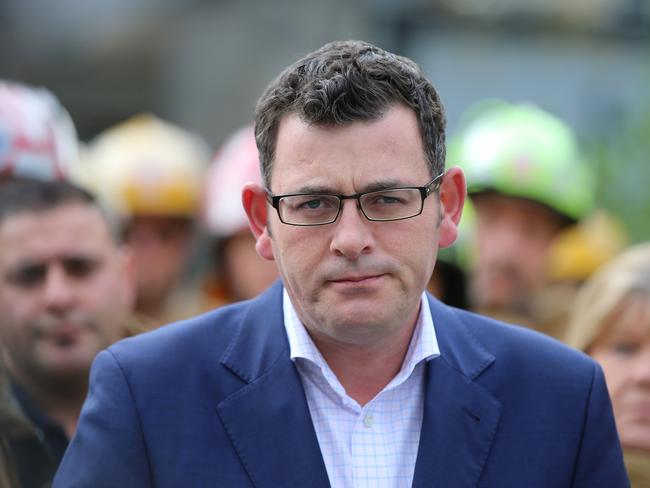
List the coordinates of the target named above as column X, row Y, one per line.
column 345, row 82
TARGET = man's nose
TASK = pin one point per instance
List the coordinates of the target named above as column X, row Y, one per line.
column 58, row 290
column 641, row 368
column 352, row 232
column 502, row 244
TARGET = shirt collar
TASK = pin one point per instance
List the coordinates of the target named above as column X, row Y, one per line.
column 423, row 345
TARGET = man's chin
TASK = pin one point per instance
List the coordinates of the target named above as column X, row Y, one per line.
column 358, row 322
column 68, row 364
column 359, row 333
column 355, row 303
column 62, row 377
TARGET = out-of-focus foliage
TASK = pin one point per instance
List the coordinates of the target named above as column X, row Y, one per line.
column 575, row 13
column 622, row 158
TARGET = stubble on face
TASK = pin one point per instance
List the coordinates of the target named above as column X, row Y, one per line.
column 50, row 341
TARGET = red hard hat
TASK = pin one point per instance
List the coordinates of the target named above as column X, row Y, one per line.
column 235, row 164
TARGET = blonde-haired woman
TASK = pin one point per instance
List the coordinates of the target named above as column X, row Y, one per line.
column 611, row 322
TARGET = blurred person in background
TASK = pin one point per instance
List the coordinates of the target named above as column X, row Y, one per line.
column 37, row 141
column 151, row 172
column 572, row 258
column 527, row 182
column 66, row 293
column 238, row 272
column 55, row 253
column 611, row 322
column 449, row 281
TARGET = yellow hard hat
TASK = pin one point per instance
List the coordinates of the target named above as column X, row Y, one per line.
column 146, row 166
column 584, row 247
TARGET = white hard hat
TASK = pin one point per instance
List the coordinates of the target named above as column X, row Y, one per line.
column 37, row 137
column 236, row 164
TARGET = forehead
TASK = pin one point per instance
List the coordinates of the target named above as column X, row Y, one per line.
column 514, row 205
column 72, row 228
column 515, row 213
column 634, row 315
column 352, row 155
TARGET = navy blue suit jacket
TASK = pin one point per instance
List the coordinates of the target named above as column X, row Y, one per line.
column 215, row 401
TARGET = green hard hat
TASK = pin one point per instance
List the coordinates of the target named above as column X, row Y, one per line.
column 523, row 151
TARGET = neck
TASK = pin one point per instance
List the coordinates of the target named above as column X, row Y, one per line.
column 154, row 311
column 61, row 402
column 365, row 370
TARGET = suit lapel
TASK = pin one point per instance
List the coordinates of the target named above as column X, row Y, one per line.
column 268, row 419
column 460, row 417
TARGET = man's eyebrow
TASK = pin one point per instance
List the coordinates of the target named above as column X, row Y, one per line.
column 386, row 185
column 375, row 186
column 67, row 257
column 29, row 263
column 314, row 189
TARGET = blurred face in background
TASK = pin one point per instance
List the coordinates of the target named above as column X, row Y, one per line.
column 161, row 248
column 246, row 272
column 513, row 236
column 623, row 350
column 66, row 292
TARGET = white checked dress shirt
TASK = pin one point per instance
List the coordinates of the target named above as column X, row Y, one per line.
column 374, row 446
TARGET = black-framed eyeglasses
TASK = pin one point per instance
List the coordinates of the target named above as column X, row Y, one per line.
column 307, row 209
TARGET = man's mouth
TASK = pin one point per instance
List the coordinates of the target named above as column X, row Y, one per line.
column 64, row 334
column 357, row 279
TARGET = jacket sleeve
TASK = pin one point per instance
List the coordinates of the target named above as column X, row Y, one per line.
column 600, row 460
column 108, row 449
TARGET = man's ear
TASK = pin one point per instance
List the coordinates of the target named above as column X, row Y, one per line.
column 452, row 199
column 255, row 205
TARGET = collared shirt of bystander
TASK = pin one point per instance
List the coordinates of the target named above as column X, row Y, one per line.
column 375, row 445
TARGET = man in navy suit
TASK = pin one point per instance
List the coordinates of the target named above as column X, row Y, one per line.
column 346, row 373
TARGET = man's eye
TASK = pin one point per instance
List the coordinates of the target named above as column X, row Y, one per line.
column 389, row 198
column 314, row 202
column 28, row 276
column 79, row 267
column 624, row 348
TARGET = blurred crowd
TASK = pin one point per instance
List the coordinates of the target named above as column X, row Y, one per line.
column 144, row 226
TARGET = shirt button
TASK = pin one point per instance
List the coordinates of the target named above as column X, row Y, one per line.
column 368, row 421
